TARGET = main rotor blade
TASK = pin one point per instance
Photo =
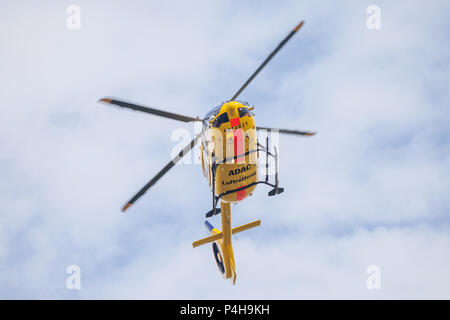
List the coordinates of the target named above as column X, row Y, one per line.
column 162, row 172
column 154, row 111
column 274, row 52
column 288, row 131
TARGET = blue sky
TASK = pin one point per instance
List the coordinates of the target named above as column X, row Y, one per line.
column 370, row 189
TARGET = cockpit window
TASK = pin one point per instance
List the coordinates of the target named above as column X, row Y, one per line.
column 244, row 112
column 220, row 119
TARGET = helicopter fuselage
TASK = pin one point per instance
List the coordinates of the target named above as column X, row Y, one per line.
column 229, row 153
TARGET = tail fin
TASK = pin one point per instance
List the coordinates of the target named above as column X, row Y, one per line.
column 211, row 228
column 215, row 235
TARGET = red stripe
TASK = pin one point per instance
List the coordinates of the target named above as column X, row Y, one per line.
column 238, row 145
column 235, row 148
column 238, row 150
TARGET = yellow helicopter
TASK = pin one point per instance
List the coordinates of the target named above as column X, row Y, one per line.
column 229, row 153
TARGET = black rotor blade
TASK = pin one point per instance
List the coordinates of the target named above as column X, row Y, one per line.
column 288, row 131
column 274, row 52
column 154, row 111
column 162, row 172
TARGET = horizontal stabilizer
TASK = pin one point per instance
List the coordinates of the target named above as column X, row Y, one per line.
column 246, row 226
column 217, row 235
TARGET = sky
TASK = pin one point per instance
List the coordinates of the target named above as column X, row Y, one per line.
column 370, row 189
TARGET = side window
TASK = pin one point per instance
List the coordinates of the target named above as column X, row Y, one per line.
column 220, row 119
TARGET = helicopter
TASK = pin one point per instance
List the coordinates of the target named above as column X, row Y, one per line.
column 229, row 153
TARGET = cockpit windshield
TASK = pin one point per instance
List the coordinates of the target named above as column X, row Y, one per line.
column 243, row 111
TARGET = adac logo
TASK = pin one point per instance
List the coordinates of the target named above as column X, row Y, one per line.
column 239, row 170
